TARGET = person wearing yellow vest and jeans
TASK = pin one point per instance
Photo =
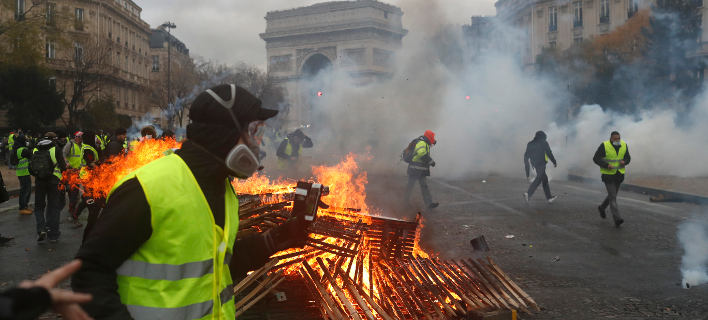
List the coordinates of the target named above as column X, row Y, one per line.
column 10, row 146
column 164, row 245
column 538, row 152
column 73, row 152
column 47, row 194
column 290, row 150
column 419, row 169
column 22, row 170
column 612, row 157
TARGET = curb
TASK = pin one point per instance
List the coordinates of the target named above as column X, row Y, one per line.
column 683, row 197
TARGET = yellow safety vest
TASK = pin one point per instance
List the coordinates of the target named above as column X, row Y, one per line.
column 11, row 141
column 285, row 163
column 76, row 155
column 22, row 168
column 613, row 157
column 85, row 147
column 182, row 271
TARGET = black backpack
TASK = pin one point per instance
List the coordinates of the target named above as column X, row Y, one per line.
column 41, row 166
column 14, row 160
column 409, row 151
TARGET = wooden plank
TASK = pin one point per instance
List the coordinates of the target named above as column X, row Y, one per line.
column 426, row 282
column 258, row 288
column 409, row 291
column 492, row 282
column 471, row 286
column 516, row 287
column 421, row 288
column 450, row 283
column 253, row 276
column 323, row 292
column 431, row 275
column 503, row 282
column 324, row 307
column 239, row 312
column 402, row 297
column 342, row 297
column 369, row 299
column 493, row 293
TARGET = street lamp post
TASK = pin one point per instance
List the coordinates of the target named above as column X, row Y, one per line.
column 169, row 26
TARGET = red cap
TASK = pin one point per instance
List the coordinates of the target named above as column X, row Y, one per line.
column 78, row 134
column 430, row 135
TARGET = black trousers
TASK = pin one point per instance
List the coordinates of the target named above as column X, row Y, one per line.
column 94, row 207
column 427, row 199
column 541, row 178
column 47, row 196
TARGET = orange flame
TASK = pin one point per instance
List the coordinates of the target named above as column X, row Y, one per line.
column 99, row 181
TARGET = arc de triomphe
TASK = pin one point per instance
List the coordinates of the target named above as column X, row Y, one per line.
column 358, row 37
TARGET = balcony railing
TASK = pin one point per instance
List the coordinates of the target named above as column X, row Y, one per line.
column 604, row 19
column 79, row 25
column 577, row 24
column 552, row 27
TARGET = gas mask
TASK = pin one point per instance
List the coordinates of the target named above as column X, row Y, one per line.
column 616, row 143
column 243, row 159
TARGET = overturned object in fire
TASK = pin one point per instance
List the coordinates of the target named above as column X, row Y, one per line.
column 357, row 266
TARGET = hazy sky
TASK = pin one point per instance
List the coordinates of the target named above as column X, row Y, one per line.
column 227, row 30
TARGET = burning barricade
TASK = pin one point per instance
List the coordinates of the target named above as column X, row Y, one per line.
column 356, row 264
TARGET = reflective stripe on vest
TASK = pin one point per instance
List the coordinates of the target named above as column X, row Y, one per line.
column 613, row 157
column 285, row 163
column 75, row 155
column 182, row 271
column 22, row 168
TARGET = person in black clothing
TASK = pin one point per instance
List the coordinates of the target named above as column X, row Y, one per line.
column 611, row 175
column 116, row 146
column 29, row 300
column 47, row 194
column 295, row 140
column 167, row 134
column 538, row 152
column 94, row 204
column 125, row 222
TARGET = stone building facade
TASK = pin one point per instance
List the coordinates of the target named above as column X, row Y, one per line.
column 117, row 25
column 560, row 23
column 357, row 37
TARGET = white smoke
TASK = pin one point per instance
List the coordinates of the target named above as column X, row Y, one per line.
column 694, row 264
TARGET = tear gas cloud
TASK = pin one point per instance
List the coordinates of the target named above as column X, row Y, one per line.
column 693, row 236
column 488, row 132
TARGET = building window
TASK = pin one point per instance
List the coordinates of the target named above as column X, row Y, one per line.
column 118, row 59
column 604, row 11
column 632, row 8
column 577, row 39
column 53, row 83
column 79, row 19
column 551, row 44
column 552, row 18
column 133, row 65
column 78, row 52
column 700, row 74
column 51, row 8
column 155, row 63
column 79, row 88
column 51, row 50
column 577, row 14
column 20, row 10
column 110, row 56
column 126, row 63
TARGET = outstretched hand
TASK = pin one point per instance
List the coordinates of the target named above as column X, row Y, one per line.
column 64, row 302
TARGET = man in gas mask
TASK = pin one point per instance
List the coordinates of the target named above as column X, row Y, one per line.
column 164, row 245
column 612, row 156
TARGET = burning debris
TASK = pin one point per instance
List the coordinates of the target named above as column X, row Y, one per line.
column 362, row 266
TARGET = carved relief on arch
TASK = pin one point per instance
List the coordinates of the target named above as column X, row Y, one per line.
column 303, row 54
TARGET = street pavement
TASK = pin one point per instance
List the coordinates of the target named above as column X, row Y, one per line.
column 631, row 272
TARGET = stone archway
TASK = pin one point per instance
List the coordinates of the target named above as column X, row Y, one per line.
column 315, row 64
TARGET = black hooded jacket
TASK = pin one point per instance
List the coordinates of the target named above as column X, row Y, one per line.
column 537, row 150
column 58, row 154
column 125, row 224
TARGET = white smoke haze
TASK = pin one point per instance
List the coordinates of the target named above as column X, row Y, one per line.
column 488, row 133
column 693, row 236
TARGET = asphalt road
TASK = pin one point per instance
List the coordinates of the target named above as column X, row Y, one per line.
column 631, row 272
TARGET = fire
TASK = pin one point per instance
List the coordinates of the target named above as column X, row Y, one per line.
column 346, row 183
column 260, row 184
column 99, row 181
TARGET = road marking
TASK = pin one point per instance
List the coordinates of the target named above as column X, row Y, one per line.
column 462, row 203
column 625, row 198
column 505, row 207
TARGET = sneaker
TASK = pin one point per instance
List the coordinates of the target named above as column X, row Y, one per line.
column 26, row 211
column 526, row 197
column 4, row 240
column 602, row 212
column 75, row 222
column 618, row 222
column 41, row 237
column 433, row 205
column 551, row 199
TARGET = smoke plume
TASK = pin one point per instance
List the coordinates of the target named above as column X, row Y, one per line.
column 694, row 264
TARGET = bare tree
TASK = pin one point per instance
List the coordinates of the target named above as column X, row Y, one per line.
column 183, row 80
column 85, row 70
